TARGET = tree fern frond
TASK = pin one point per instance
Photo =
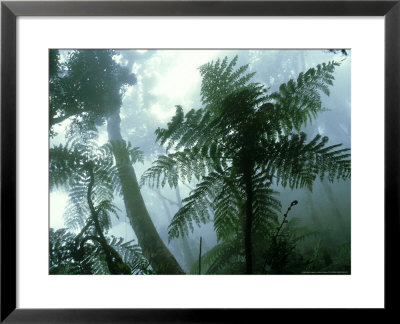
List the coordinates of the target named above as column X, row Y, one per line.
column 228, row 215
column 131, row 255
column 219, row 80
column 63, row 163
column 299, row 102
column 296, row 163
column 196, row 208
column 122, row 148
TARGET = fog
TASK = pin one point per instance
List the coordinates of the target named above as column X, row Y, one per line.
column 166, row 78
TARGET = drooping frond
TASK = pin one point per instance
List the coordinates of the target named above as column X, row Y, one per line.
column 62, row 166
column 186, row 165
column 196, row 207
column 77, row 210
column 228, row 215
column 70, row 166
column 163, row 171
column 131, row 255
column 297, row 164
column 65, row 257
column 98, row 262
column 266, row 208
column 123, row 148
column 298, row 102
column 105, row 209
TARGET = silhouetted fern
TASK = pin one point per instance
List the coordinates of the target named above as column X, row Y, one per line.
column 240, row 143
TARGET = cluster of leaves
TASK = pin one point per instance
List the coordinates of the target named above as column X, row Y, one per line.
column 240, row 143
column 272, row 254
column 295, row 250
column 67, row 256
column 69, row 168
column 90, row 175
column 86, row 87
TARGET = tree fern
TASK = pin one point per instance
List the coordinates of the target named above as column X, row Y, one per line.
column 89, row 173
column 245, row 140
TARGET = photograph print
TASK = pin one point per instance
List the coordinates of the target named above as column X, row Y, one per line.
column 199, row 162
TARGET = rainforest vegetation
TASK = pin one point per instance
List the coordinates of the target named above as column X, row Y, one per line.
column 233, row 179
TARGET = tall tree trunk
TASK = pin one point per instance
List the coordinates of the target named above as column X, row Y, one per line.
column 249, row 220
column 153, row 247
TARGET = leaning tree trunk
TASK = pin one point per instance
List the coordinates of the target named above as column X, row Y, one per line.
column 153, row 247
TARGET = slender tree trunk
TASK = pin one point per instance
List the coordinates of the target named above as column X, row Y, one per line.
column 153, row 247
column 249, row 220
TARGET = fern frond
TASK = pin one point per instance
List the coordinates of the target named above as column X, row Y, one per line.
column 63, row 163
column 131, row 255
column 266, row 208
column 296, row 163
column 299, row 102
column 77, row 210
column 197, row 206
column 228, row 216
column 184, row 165
column 219, row 79
column 122, row 148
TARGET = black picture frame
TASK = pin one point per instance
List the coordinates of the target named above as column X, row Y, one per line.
column 10, row 10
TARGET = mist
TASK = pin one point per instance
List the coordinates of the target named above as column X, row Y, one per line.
column 167, row 78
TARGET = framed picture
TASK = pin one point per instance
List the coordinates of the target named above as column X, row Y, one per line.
column 163, row 58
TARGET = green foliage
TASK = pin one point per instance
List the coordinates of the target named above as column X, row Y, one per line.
column 242, row 125
column 69, row 168
column 296, row 163
column 88, row 86
column 223, row 258
column 68, row 256
column 122, row 148
column 243, row 141
column 131, row 254
column 90, row 175
column 299, row 101
column 332, row 260
column 281, row 252
column 274, row 254
column 62, row 254
column 220, row 79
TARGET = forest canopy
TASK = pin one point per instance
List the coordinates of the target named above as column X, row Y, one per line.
column 214, row 172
